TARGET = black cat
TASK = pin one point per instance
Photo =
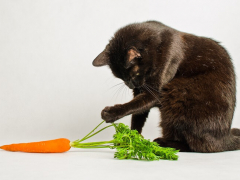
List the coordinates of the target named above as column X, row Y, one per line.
column 189, row 78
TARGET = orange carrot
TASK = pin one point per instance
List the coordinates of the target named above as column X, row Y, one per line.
column 51, row 146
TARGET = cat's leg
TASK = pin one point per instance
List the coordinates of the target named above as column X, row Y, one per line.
column 171, row 137
column 183, row 147
column 138, row 121
column 139, row 104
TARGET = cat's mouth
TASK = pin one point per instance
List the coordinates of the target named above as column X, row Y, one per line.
column 132, row 85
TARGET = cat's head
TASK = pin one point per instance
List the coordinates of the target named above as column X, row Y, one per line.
column 128, row 56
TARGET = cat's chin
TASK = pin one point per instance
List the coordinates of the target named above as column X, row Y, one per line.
column 135, row 87
column 131, row 86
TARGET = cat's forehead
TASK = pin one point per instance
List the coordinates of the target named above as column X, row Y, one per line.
column 127, row 37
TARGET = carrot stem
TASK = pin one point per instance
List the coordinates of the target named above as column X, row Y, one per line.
column 89, row 135
column 101, row 144
column 85, row 137
column 77, row 144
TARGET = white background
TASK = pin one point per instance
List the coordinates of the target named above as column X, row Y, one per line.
column 48, row 86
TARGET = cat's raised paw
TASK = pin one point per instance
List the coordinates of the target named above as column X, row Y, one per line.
column 112, row 113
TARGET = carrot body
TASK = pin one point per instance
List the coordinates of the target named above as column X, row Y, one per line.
column 51, row 146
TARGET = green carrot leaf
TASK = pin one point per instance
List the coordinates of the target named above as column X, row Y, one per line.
column 129, row 144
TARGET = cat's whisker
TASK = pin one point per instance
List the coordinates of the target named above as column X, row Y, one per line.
column 127, row 91
column 149, row 90
column 118, row 91
column 152, row 88
column 116, row 85
column 124, row 92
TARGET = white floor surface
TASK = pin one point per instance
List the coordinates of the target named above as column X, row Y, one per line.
column 88, row 164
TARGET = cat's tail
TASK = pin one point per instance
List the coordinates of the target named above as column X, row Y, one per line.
column 234, row 138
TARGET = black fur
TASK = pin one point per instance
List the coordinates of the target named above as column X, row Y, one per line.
column 189, row 78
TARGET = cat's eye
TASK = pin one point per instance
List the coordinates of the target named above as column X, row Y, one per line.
column 137, row 74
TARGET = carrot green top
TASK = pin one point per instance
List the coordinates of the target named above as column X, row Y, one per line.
column 129, row 145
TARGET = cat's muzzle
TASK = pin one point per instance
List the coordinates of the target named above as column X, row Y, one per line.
column 132, row 84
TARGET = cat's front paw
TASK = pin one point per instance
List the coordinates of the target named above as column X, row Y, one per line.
column 112, row 113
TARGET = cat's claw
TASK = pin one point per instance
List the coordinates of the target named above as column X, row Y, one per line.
column 111, row 113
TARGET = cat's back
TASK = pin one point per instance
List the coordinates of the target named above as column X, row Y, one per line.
column 202, row 58
column 202, row 55
column 142, row 31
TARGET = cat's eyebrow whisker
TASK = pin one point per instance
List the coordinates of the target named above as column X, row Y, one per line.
column 149, row 90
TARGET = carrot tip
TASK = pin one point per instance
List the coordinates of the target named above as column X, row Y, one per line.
column 2, row 147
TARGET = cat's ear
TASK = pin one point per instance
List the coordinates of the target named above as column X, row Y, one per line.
column 132, row 54
column 101, row 60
